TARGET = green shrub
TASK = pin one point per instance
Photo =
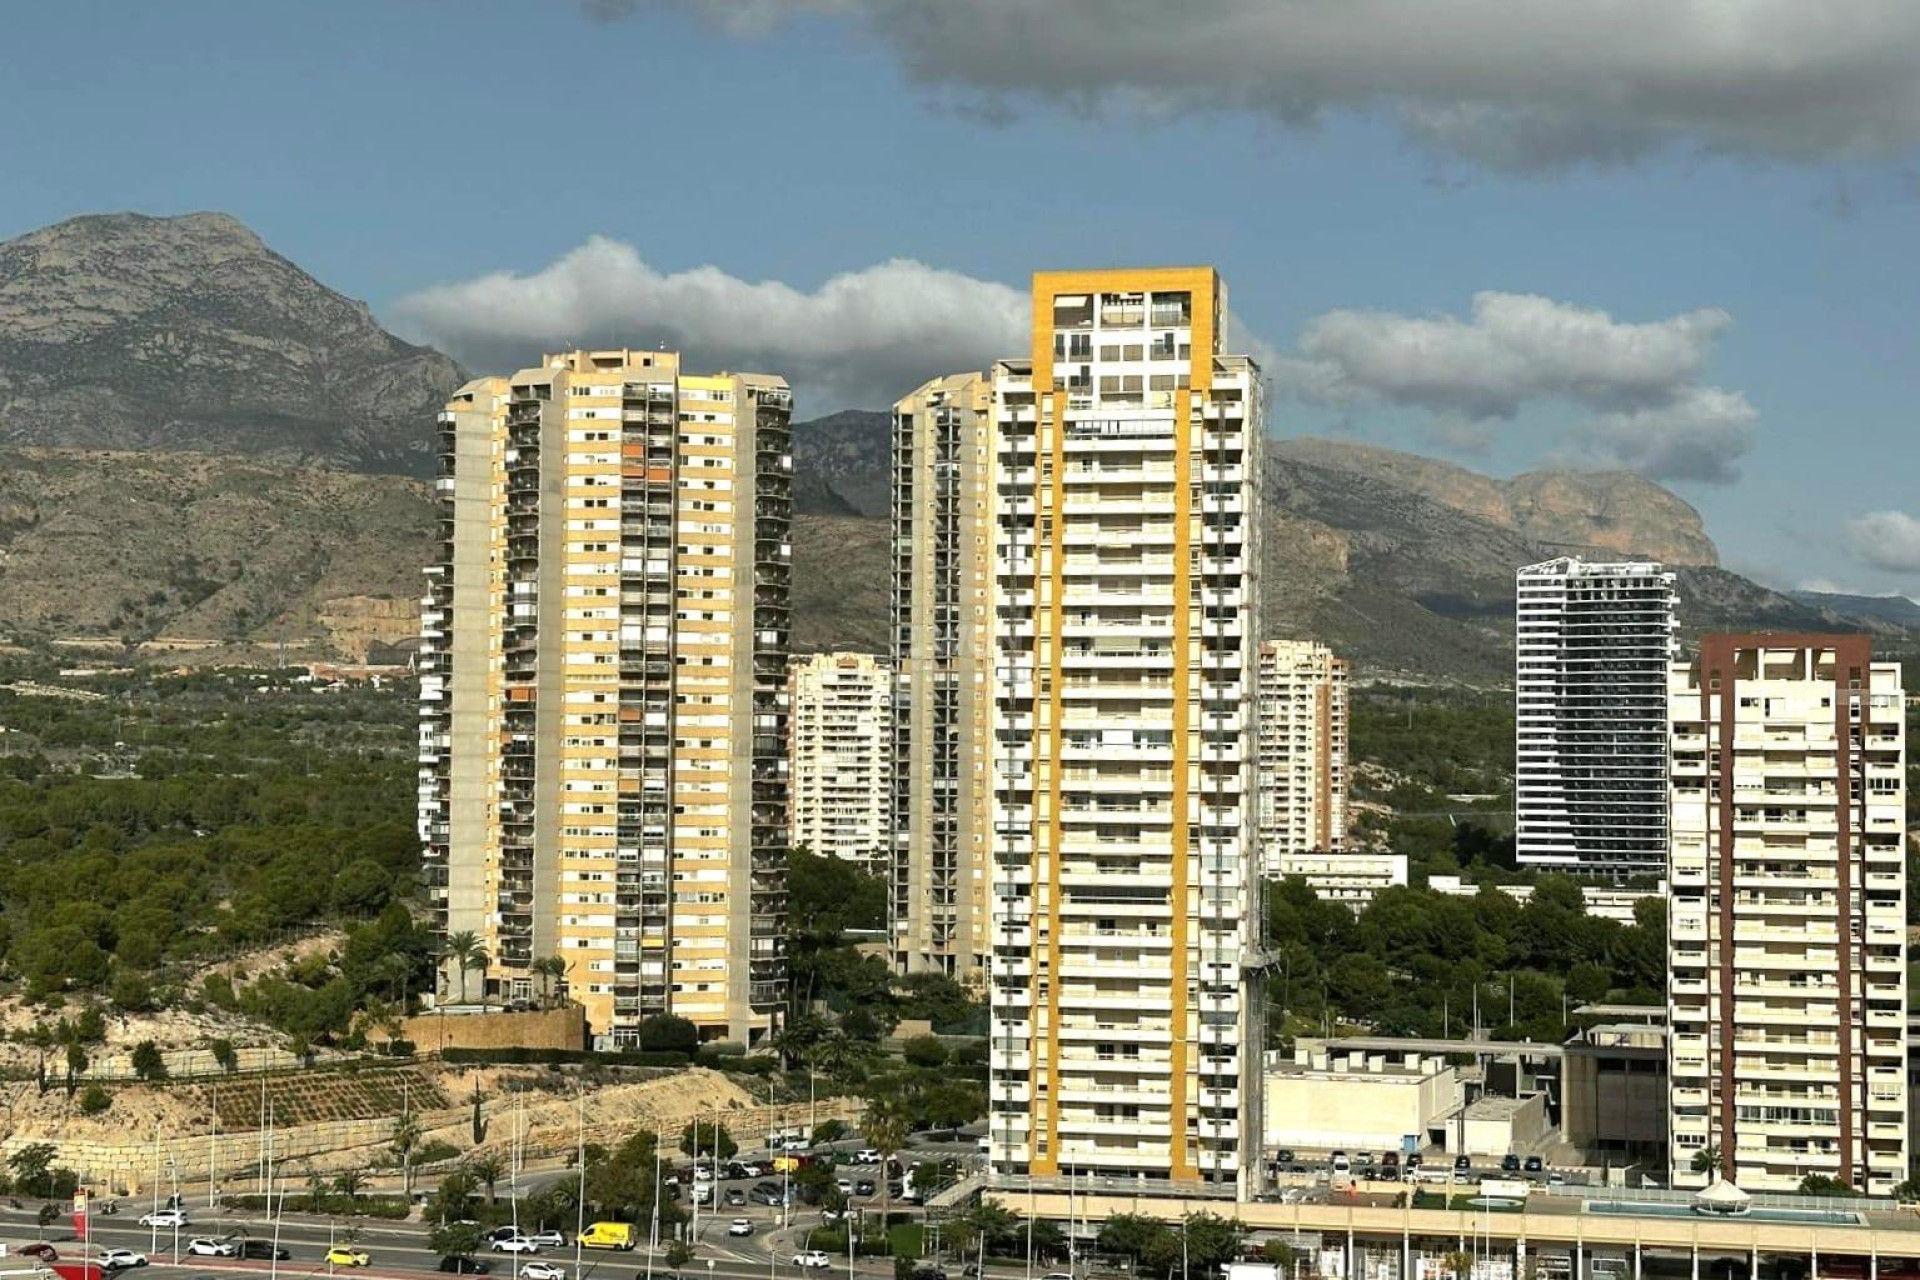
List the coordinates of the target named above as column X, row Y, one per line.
column 94, row 1100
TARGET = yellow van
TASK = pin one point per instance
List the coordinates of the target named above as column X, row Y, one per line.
column 608, row 1235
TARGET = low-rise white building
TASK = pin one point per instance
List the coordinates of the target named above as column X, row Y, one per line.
column 1352, row 878
column 1321, row 1097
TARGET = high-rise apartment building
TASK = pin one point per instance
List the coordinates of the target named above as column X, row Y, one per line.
column 840, row 721
column 603, row 697
column 1125, row 1042
column 943, row 666
column 1592, row 644
column 1302, row 719
column 1787, row 980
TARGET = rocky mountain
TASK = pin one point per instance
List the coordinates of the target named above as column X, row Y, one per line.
column 1898, row 610
column 127, row 332
column 840, row 464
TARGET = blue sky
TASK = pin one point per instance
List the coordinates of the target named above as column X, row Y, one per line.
column 402, row 146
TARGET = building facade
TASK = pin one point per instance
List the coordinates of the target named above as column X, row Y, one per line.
column 1303, row 751
column 840, row 719
column 943, row 669
column 1786, row 981
column 603, row 718
column 1124, row 875
column 1592, row 646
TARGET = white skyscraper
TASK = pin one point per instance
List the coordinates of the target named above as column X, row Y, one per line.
column 1592, row 644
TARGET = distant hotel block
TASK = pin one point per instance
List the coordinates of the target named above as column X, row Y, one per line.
column 840, row 721
column 1302, row 715
column 1592, row 643
column 1787, row 980
column 603, row 696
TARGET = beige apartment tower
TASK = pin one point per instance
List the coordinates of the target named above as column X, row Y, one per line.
column 1125, row 1037
column 943, row 667
column 603, row 739
column 1787, row 981
column 1303, row 752
column 840, row 722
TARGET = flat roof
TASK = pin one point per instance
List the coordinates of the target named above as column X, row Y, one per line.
column 1421, row 1044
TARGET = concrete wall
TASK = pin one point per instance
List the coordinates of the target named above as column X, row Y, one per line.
column 562, row 1028
column 1353, row 1110
column 1515, row 1129
column 1615, row 1102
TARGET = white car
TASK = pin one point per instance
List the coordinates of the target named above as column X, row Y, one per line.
column 121, row 1259
column 549, row 1239
column 542, row 1271
column 866, row 1155
column 814, row 1258
column 164, row 1218
column 204, row 1248
column 514, row 1244
column 845, row 1185
column 740, row 1227
column 702, row 1173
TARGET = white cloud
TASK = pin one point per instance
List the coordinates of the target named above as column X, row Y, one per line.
column 863, row 338
column 1887, row 540
column 1518, row 87
column 1640, row 381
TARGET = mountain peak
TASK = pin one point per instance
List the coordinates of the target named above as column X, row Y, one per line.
column 126, row 330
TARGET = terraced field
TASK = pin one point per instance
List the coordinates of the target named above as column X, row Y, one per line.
column 369, row 1093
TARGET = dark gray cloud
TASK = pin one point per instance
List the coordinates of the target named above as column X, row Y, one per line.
column 1640, row 382
column 1517, row 87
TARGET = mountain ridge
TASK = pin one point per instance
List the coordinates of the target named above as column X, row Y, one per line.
column 202, row 446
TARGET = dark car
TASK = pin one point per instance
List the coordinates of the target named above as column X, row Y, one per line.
column 1509, row 1164
column 1462, row 1164
column 455, row 1264
column 926, row 1271
column 40, row 1249
column 1535, row 1164
column 864, row 1187
column 263, row 1249
column 1413, row 1161
column 1283, row 1156
column 736, row 1197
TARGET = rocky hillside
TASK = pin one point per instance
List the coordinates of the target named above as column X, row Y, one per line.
column 127, row 332
column 177, row 551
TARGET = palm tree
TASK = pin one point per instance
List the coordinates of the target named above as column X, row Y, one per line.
column 489, row 1168
column 350, row 1183
column 465, row 951
column 552, row 971
column 1707, row 1160
column 886, row 1128
column 406, row 1137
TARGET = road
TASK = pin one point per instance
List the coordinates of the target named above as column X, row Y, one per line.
column 400, row 1248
